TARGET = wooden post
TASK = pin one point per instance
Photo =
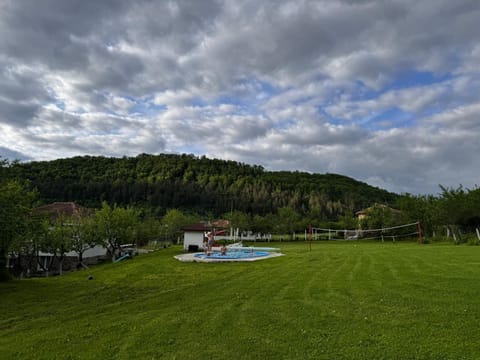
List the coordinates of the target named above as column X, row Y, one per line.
column 310, row 236
column 420, row 238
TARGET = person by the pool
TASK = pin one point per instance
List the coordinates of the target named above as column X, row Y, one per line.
column 209, row 243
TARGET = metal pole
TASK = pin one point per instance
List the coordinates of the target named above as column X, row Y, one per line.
column 420, row 238
column 310, row 236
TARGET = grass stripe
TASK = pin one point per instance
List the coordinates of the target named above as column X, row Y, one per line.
column 338, row 301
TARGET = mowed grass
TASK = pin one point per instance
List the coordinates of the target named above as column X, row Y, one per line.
column 338, row 301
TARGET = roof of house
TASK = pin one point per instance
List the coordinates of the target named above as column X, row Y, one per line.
column 221, row 223
column 199, row 227
column 382, row 206
column 57, row 209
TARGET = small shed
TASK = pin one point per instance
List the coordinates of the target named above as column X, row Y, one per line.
column 194, row 235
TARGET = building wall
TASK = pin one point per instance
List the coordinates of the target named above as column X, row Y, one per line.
column 193, row 238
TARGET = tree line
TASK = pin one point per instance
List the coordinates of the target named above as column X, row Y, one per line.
column 199, row 184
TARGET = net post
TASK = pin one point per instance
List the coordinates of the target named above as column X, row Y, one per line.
column 420, row 237
column 310, row 236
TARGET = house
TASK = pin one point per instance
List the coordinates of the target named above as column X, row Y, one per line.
column 65, row 209
column 362, row 214
column 39, row 260
column 194, row 235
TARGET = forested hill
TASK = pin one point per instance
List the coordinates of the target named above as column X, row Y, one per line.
column 160, row 182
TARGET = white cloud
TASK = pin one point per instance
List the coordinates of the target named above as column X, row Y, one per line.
column 308, row 85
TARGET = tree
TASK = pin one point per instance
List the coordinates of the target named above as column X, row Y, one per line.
column 116, row 226
column 348, row 222
column 287, row 220
column 419, row 208
column 26, row 248
column 263, row 224
column 173, row 221
column 84, row 235
column 15, row 205
column 239, row 220
column 60, row 241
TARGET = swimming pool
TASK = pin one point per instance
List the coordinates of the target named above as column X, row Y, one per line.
column 236, row 254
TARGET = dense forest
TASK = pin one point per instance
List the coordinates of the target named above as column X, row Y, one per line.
column 198, row 184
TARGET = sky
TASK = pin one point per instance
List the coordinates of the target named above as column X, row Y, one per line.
column 386, row 92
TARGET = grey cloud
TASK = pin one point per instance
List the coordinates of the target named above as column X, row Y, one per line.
column 17, row 114
column 21, row 95
column 271, row 79
column 43, row 31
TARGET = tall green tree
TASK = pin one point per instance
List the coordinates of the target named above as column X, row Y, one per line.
column 60, row 241
column 15, row 206
column 379, row 216
column 149, row 230
column 85, row 235
column 26, row 248
column 173, row 221
column 288, row 221
column 239, row 220
column 116, row 226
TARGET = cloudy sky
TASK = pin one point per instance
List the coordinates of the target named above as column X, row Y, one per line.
column 387, row 92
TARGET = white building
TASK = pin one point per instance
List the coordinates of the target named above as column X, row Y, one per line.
column 194, row 236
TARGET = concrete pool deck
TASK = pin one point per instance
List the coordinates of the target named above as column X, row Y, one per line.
column 190, row 257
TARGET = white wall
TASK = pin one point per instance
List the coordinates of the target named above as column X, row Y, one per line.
column 193, row 238
column 97, row 250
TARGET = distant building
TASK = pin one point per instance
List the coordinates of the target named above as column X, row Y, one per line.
column 195, row 234
column 362, row 214
column 43, row 260
column 58, row 209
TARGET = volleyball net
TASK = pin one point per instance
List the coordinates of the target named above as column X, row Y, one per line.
column 392, row 233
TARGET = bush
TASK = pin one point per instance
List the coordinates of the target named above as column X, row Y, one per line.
column 472, row 239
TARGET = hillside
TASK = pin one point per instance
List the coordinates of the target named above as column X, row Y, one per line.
column 200, row 184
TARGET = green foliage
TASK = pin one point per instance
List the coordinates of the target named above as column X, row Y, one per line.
column 472, row 239
column 84, row 234
column 285, row 220
column 379, row 217
column 239, row 220
column 160, row 182
column 116, row 226
column 149, row 230
column 263, row 224
column 15, row 205
column 61, row 234
column 457, row 208
column 174, row 220
column 348, row 222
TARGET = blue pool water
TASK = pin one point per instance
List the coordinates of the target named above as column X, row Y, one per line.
column 237, row 254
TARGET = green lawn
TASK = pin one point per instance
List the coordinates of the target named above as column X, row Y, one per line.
column 339, row 301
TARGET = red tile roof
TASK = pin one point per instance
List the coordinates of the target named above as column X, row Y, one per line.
column 67, row 209
column 200, row 227
column 221, row 224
